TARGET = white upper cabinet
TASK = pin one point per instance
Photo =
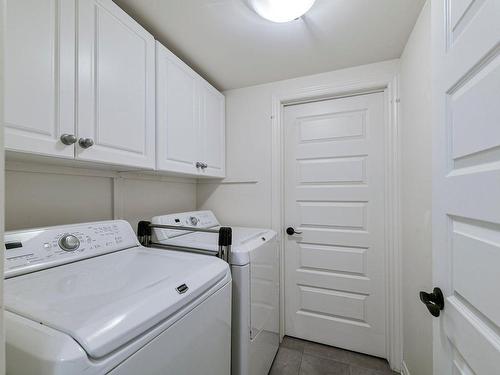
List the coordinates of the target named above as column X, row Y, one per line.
column 39, row 74
column 190, row 115
column 80, row 81
column 116, row 87
column 212, row 131
column 177, row 114
column 95, row 83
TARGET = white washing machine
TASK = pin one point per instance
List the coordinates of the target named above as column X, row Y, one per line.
column 254, row 266
column 88, row 299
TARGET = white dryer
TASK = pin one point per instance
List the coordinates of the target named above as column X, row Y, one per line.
column 88, row 299
column 255, row 272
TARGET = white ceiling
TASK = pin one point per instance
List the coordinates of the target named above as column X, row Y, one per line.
column 232, row 47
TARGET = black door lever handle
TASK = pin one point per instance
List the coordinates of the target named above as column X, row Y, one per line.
column 290, row 231
column 433, row 301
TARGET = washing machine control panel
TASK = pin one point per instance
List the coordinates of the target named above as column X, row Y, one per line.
column 32, row 250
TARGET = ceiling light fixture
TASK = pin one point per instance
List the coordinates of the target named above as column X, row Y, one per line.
column 281, row 10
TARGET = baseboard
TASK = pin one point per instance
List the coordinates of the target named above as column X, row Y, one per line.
column 404, row 369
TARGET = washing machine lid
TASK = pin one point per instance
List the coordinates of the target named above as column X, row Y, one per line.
column 106, row 301
column 244, row 240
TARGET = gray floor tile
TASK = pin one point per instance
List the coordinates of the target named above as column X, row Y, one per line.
column 355, row 370
column 328, row 352
column 374, row 363
column 346, row 356
column 293, row 343
column 297, row 356
column 321, row 366
column 287, row 362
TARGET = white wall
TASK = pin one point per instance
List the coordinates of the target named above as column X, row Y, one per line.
column 416, row 137
column 245, row 196
column 44, row 195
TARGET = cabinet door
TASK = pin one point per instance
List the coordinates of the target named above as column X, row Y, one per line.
column 177, row 114
column 212, row 131
column 115, row 86
column 39, row 75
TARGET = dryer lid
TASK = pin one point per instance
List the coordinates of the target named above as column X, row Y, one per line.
column 244, row 241
column 106, row 301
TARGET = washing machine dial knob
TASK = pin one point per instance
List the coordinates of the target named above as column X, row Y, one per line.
column 68, row 242
column 194, row 220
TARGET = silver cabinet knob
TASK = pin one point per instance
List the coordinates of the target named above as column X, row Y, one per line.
column 68, row 242
column 68, row 139
column 199, row 164
column 204, row 165
column 86, row 142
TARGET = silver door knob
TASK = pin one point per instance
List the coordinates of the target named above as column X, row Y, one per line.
column 86, row 142
column 68, row 139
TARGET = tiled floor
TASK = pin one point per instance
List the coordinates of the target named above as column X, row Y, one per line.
column 298, row 357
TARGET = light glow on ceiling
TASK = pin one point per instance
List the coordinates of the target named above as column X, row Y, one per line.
column 281, row 10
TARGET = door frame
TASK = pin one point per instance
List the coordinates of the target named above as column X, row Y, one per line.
column 388, row 84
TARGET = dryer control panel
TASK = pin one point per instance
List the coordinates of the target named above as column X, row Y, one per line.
column 36, row 249
column 196, row 219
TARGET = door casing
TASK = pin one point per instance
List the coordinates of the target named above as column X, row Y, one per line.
column 389, row 84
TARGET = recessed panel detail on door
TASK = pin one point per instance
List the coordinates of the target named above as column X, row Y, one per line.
column 332, row 170
column 351, row 215
column 475, row 102
column 473, row 239
column 332, row 127
column 332, row 303
column 340, row 259
column 461, row 12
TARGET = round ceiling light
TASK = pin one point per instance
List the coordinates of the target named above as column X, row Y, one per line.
column 281, row 10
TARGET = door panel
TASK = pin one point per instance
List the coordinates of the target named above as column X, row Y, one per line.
column 39, row 75
column 466, row 181
column 177, row 114
column 334, row 192
column 116, row 86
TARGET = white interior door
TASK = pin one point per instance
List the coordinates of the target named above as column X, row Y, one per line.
column 39, row 75
column 334, row 195
column 466, row 185
column 116, row 86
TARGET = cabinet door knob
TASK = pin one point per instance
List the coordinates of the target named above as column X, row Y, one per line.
column 86, row 142
column 204, row 165
column 199, row 164
column 68, row 139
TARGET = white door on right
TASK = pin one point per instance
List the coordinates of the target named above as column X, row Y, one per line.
column 335, row 285
column 466, row 185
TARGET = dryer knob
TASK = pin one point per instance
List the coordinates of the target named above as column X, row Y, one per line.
column 194, row 220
